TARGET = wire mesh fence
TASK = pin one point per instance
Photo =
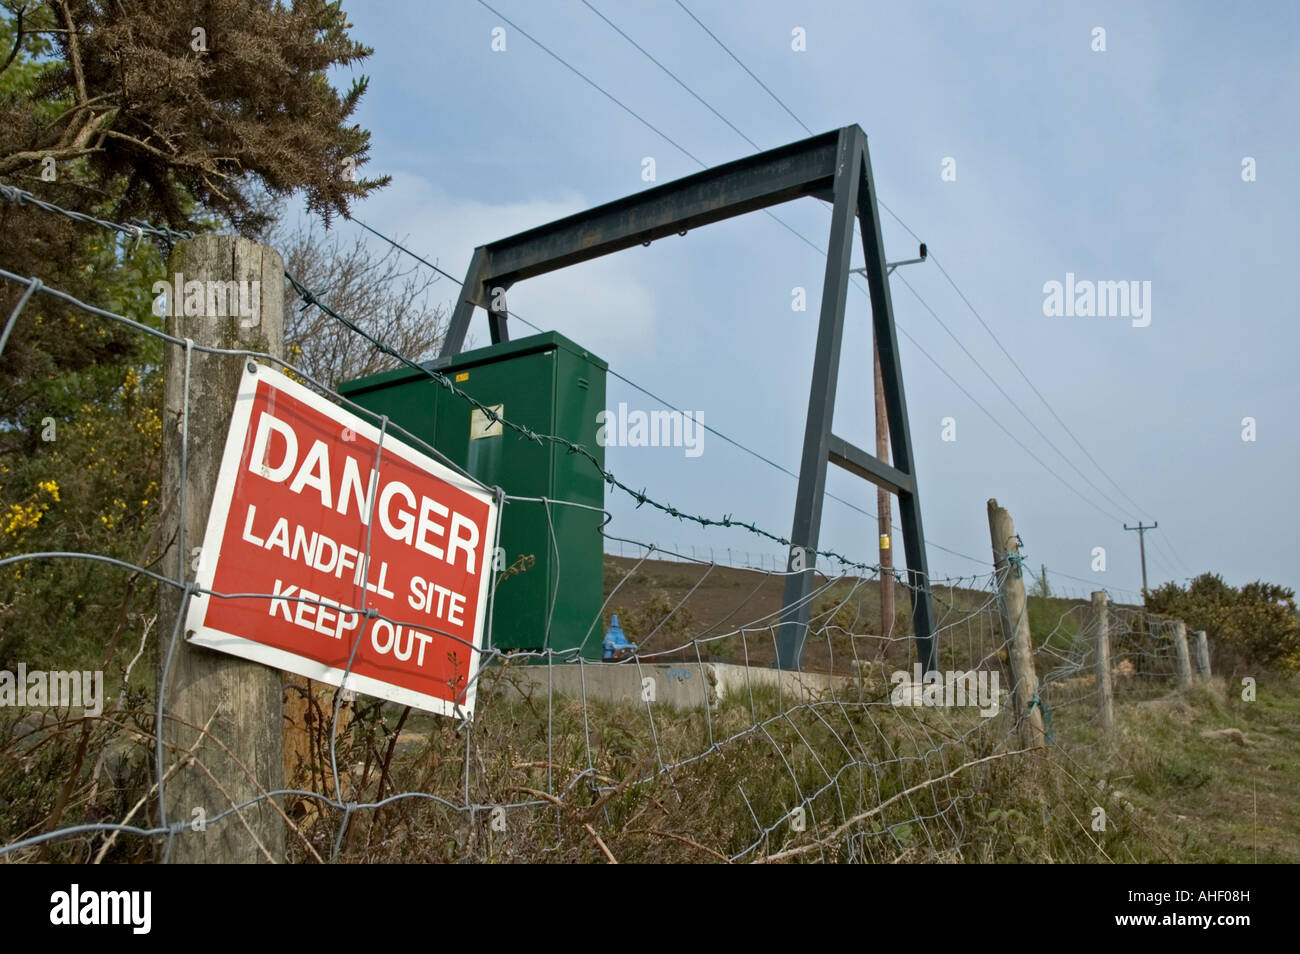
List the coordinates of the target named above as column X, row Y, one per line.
column 692, row 748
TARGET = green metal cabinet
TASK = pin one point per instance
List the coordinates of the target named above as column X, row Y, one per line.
column 552, row 386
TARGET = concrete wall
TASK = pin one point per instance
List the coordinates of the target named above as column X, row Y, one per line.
column 680, row 685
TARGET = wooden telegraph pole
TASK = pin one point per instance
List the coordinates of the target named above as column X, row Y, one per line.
column 884, row 515
column 1142, row 548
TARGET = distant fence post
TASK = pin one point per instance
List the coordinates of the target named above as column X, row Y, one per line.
column 1015, row 627
column 1105, row 691
column 240, row 702
column 1182, row 655
column 1203, row 654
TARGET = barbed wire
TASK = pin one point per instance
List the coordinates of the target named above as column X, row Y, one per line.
column 191, row 589
column 835, row 766
column 136, row 229
column 311, row 299
column 929, row 542
column 493, row 416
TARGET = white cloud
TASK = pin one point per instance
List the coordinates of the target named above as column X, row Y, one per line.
column 606, row 305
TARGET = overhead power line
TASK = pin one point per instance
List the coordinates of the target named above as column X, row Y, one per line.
column 1010, row 400
column 1015, row 364
column 1164, row 540
column 741, row 64
column 592, row 83
column 813, row 245
column 655, row 397
column 700, row 99
column 655, row 129
column 992, row 417
column 948, row 277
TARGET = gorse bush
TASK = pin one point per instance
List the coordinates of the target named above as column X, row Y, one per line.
column 1249, row 626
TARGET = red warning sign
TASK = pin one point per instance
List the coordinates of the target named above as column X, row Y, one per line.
column 323, row 546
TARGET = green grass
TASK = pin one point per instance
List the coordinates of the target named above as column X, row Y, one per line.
column 723, row 783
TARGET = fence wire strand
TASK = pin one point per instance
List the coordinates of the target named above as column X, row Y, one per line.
column 840, row 761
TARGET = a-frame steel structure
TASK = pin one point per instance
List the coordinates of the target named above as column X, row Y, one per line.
column 833, row 166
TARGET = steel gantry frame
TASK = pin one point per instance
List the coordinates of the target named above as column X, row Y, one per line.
column 836, row 167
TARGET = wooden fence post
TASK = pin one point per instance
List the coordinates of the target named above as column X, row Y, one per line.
column 1105, row 691
column 1015, row 627
column 240, row 702
column 1203, row 655
column 1182, row 656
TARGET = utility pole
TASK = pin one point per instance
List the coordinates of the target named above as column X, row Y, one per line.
column 884, row 509
column 1142, row 548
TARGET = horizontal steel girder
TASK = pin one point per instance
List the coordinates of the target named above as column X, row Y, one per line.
column 857, row 461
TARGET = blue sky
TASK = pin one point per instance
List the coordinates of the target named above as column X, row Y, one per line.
column 1123, row 164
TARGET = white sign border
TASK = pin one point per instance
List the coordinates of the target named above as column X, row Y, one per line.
column 199, row 633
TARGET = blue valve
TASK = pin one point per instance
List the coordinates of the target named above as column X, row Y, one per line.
column 616, row 645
